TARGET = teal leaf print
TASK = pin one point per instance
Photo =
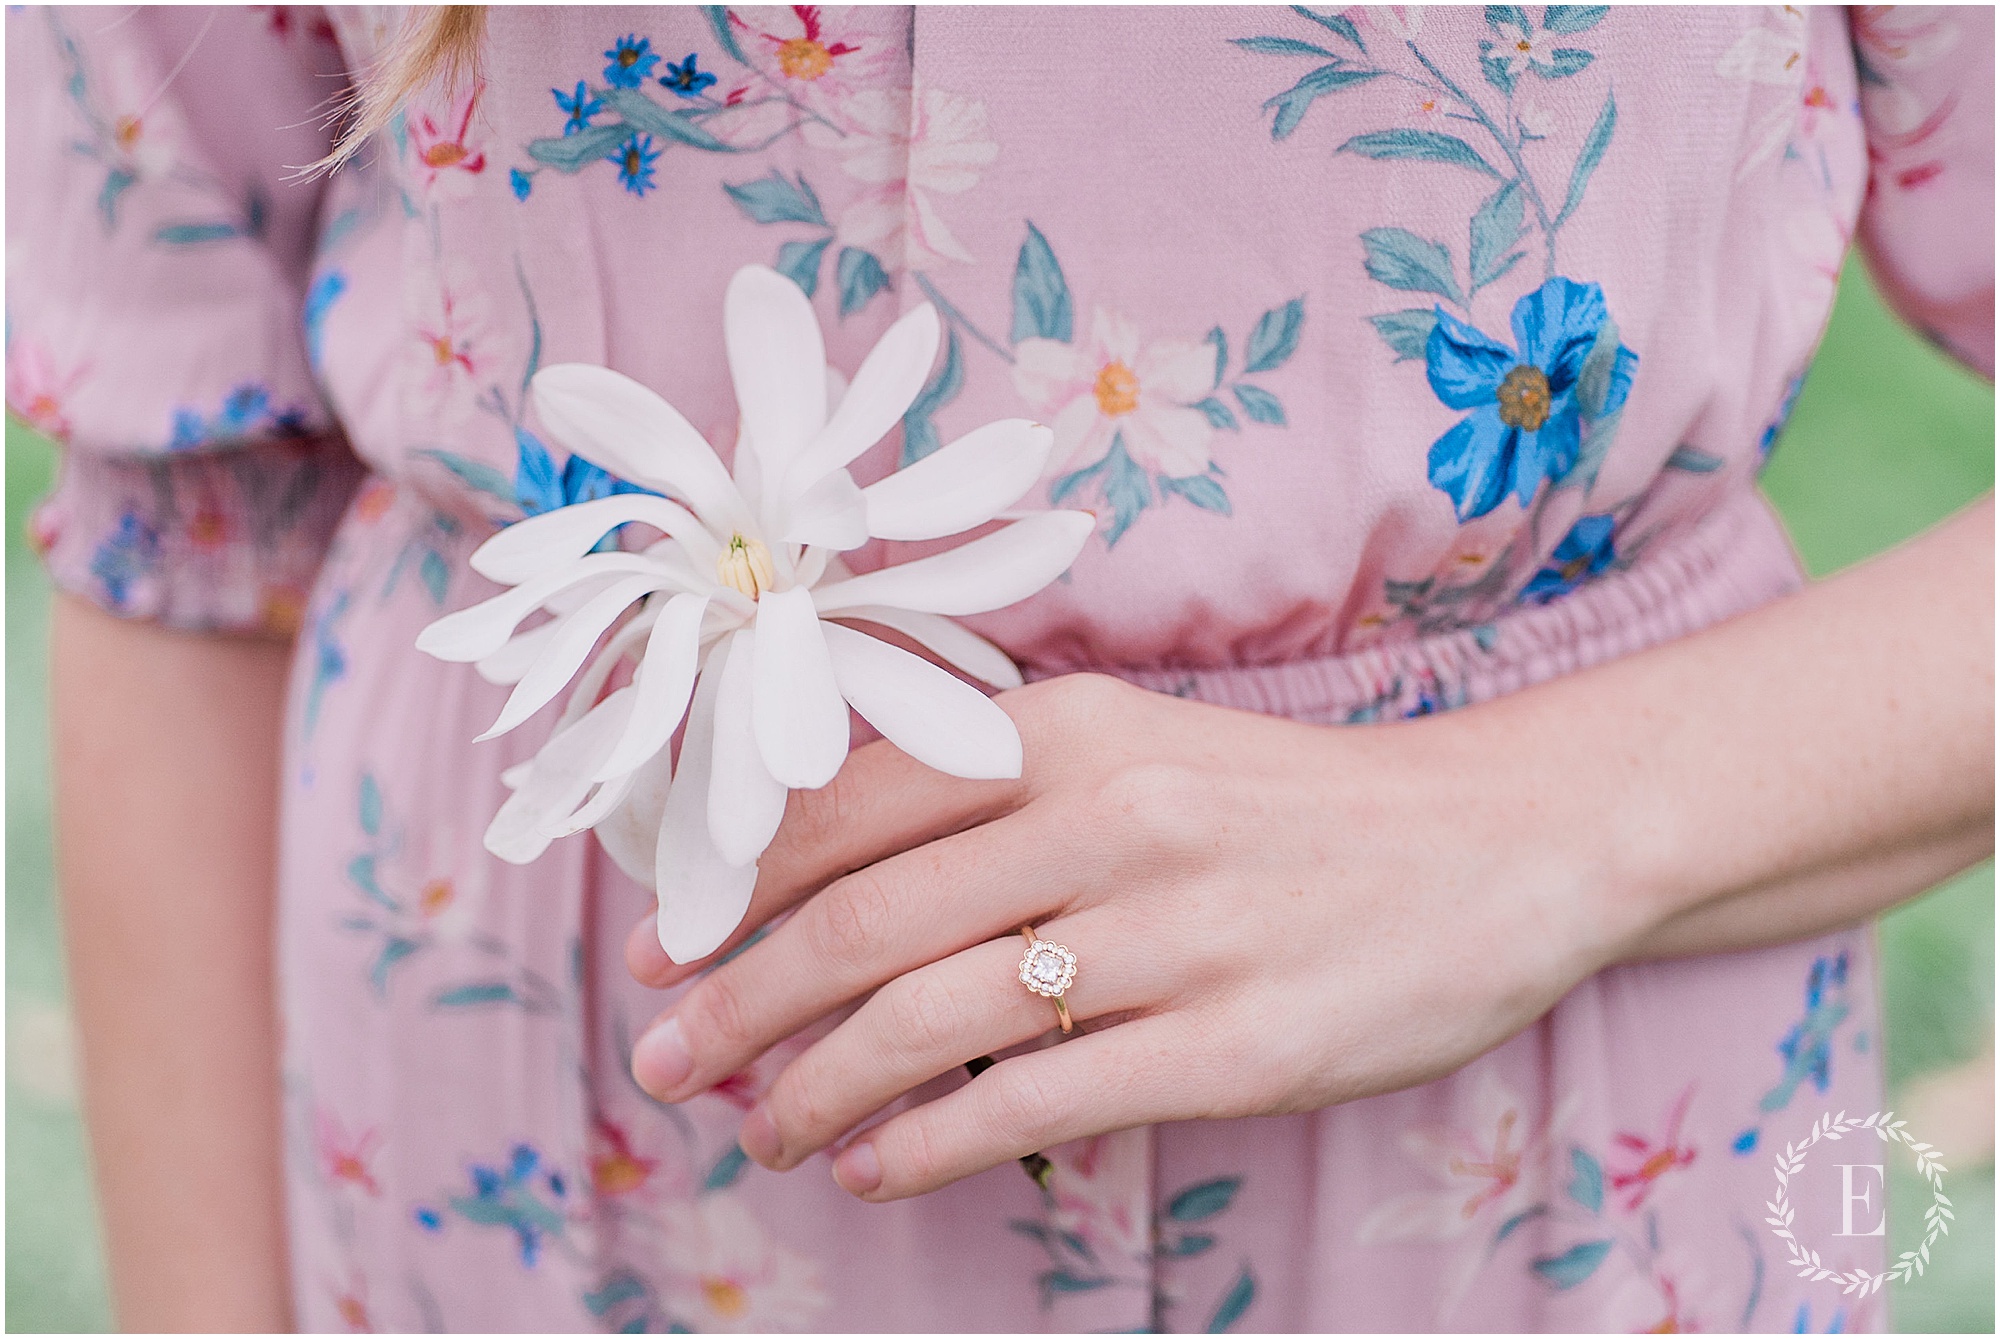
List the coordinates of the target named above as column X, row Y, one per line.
column 726, row 1170
column 1221, row 343
column 476, row 994
column 394, row 950
column 1564, row 62
column 1401, row 259
column 1192, row 1244
column 1496, row 15
column 1121, row 482
column 573, row 153
column 1041, row 294
column 1494, row 230
column 718, row 23
column 920, row 436
column 1407, row 331
column 115, row 183
column 1291, row 105
column 1218, row 414
column 192, row 234
column 1693, row 460
column 1234, row 1303
column 641, row 113
column 1430, row 146
column 1568, row 19
column 1527, row 1215
column 1275, row 338
column 1199, row 489
column 1260, row 404
column 1204, row 1200
column 861, row 278
column 361, row 872
column 1282, row 46
column 1062, row 1281
column 619, row 1288
column 1598, row 376
column 1338, row 23
column 370, row 804
column 1593, row 152
column 799, row 262
column 476, row 473
column 1574, row 1265
column 773, row 199
column 1586, row 1184
column 436, row 575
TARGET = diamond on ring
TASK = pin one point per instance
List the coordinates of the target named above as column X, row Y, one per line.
column 1047, row 968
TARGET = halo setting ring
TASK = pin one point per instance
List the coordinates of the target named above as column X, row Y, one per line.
column 1048, row 969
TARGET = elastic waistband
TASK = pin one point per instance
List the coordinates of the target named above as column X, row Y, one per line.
column 1737, row 558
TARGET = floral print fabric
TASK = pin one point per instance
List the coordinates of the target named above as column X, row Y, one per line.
column 1405, row 356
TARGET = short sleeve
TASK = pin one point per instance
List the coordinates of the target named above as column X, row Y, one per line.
column 1926, row 229
column 158, row 239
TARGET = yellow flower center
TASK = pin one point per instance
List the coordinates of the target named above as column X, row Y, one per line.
column 442, row 350
column 627, row 57
column 745, row 567
column 446, row 154
column 125, row 132
column 435, row 897
column 1524, row 398
column 1524, row 46
column 803, row 58
column 1117, row 389
column 633, row 162
column 725, row 1297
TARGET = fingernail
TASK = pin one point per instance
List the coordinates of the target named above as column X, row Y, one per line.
column 857, row 1170
column 661, row 1061
column 759, row 1137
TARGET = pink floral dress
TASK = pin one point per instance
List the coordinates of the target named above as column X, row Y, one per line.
column 1406, row 356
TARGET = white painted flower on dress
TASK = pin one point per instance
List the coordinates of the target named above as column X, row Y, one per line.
column 1114, row 386
column 145, row 129
column 908, row 145
column 38, row 388
column 738, row 613
column 727, row 1275
column 820, row 54
column 446, row 353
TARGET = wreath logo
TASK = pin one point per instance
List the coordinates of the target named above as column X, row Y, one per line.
column 1858, row 1283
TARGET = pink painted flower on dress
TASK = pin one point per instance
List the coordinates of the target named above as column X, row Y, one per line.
column 444, row 158
column 817, row 55
column 1097, row 1191
column 447, row 352
column 1642, row 1161
column 344, row 1157
column 1401, row 22
column 1773, row 54
column 145, row 131
column 1115, row 385
column 726, row 1274
column 908, row 145
column 615, row 1168
column 1663, row 1297
column 38, row 389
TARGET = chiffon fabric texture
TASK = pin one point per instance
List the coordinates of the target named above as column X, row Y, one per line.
column 1407, row 357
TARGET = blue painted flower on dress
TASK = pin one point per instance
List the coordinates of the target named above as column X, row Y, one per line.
column 246, row 410
column 128, row 555
column 579, row 106
column 1527, row 402
column 540, row 487
column 1807, row 1046
column 510, row 1197
column 1585, row 552
column 520, row 182
column 685, row 80
column 635, row 159
column 327, row 288
column 630, row 63
column 1769, row 437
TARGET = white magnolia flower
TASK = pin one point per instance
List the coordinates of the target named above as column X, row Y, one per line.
column 733, row 628
column 1112, row 385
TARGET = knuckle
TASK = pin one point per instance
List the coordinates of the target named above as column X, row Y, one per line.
column 852, row 919
column 798, row 1107
column 919, row 1159
column 1023, row 1107
column 817, row 819
column 1158, row 800
column 718, row 1019
column 925, row 1016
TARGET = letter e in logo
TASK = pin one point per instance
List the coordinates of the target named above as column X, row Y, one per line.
column 1848, row 1198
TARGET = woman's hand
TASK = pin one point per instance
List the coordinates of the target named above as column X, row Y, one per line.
column 1267, row 917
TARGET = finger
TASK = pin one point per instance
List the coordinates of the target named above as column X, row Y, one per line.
column 882, row 802
column 927, row 1022
column 1137, row 1073
column 862, row 930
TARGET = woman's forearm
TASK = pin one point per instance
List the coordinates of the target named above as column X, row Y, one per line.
column 1797, row 769
column 166, row 769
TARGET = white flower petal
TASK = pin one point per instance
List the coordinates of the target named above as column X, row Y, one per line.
column 608, row 796
column 954, row 643
column 664, row 683
column 567, row 533
column 558, row 781
column 630, row 834
column 961, row 485
column 940, row 721
column 511, row 661
column 745, row 803
column 988, row 573
column 890, row 377
column 702, row 896
column 800, row 719
column 832, row 514
column 613, row 421
column 777, row 361
column 478, row 631
column 567, row 651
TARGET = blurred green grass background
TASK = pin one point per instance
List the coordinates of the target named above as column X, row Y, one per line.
column 1888, row 437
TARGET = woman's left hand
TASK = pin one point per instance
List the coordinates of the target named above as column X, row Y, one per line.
column 1267, row 917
